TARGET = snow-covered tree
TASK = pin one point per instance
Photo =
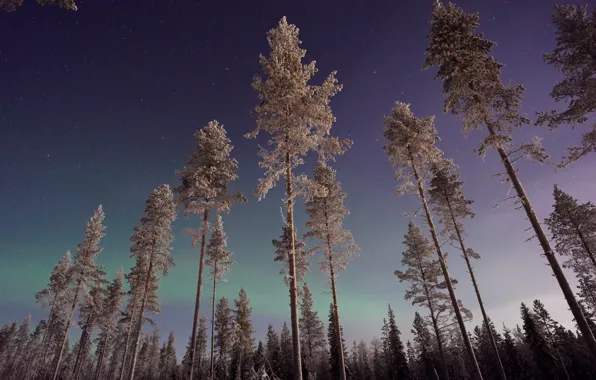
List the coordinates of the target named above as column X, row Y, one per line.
column 475, row 92
column 311, row 327
column 151, row 248
column 205, row 182
column 218, row 257
column 12, row 5
column 298, row 119
column 573, row 228
column 423, row 274
column 168, row 366
column 224, row 338
column 326, row 211
column 411, row 147
column 395, row 356
column 334, row 333
column 273, row 353
column 283, row 249
column 574, row 57
column 201, row 351
column 243, row 341
column 84, row 273
column 448, row 203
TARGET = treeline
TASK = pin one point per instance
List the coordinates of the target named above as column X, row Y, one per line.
column 296, row 116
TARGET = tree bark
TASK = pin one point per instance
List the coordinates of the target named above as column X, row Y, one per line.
column 460, row 320
column 61, row 348
column 580, row 319
column 476, row 290
column 213, row 325
column 195, row 321
column 140, row 323
column 340, row 346
column 296, row 356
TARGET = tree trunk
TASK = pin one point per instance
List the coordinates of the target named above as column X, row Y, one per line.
column 580, row 319
column 296, row 357
column 340, row 346
column 586, row 246
column 126, row 347
column 213, row 324
column 452, row 295
column 140, row 323
column 477, row 291
column 46, row 341
column 84, row 335
column 439, row 341
column 195, row 321
column 61, row 348
column 102, row 353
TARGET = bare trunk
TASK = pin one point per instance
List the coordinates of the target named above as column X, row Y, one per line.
column 61, row 348
column 296, row 357
column 137, row 332
column 477, row 291
column 340, row 346
column 102, row 353
column 213, row 325
column 580, row 319
column 126, row 348
column 439, row 341
column 195, row 321
column 84, row 336
column 460, row 320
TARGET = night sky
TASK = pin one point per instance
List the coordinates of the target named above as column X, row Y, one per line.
column 99, row 107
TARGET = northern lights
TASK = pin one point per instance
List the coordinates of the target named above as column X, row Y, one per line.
column 99, row 107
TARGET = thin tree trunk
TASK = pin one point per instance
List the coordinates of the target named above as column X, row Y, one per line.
column 46, row 341
column 61, row 348
column 126, row 347
column 140, row 323
column 580, row 319
column 195, row 321
column 340, row 346
column 213, row 323
column 452, row 295
column 104, row 346
column 296, row 357
column 84, row 335
column 476, row 290
column 586, row 246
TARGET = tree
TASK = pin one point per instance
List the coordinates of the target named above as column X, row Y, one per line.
column 333, row 339
column 298, row 118
column 549, row 327
column 53, row 296
column 205, row 182
column 397, row 358
column 154, row 362
column 285, row 345
column 412, row 151
column 11, row 5
column 283, row 248
column 201, row 350
column 574, row 57
column 220, row 262
column 475, row 92
column 573, row 228
column 514, row 363
column 422, row 273
column 168, row 358
column 223, row 337
column 542, row 355
column 243, row 341
column 311, row 327
column 151, row 248
column 449, row 204
column 83, row 272
column 326, row 211
column 273, row 353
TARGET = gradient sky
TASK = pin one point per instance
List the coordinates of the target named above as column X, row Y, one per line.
column 99, row 107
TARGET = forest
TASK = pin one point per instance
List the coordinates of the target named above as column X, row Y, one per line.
column 119, row 339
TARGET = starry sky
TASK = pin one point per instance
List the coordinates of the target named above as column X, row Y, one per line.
column 99, row 107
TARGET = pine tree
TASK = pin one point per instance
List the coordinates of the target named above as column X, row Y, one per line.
column 297, row 116
column 223, row 337
column 573, row 228
column 151, row 248
column 168, row 358
column 283, row 248
column 20, row 339
column 513, row 362
column 83, row 272
column 422, row 272
column 397, row 357
column 449, row 204
column 273, row 353
column 334, row 344
column 258, row 358
column 285, row 345
column 243, row 341
column 312, row 329
column 412, row 151
column 475, row 92
column 154, row 361
column 542, row 355
column 220, row 262
column 12, row 5
column 326, row 212
column 204, row 187
column 201, row 350
column 548, row 327
column 574, row 57
column 53, row 296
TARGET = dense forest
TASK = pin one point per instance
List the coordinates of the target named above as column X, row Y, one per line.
column 119, row 340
